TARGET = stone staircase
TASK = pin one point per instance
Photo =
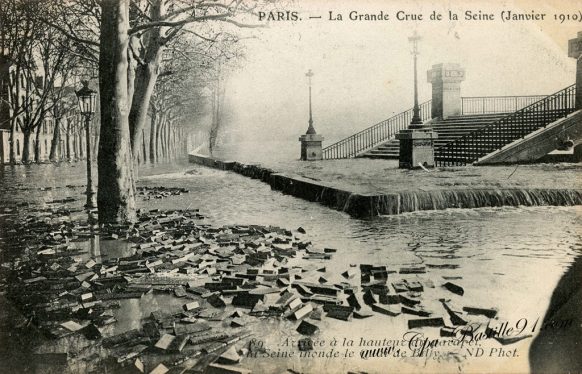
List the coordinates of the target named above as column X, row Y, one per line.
column 512, row 129
column 448, row 130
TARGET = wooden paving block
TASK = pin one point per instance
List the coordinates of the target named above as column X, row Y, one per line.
column 415, row 311
column 386, row 310
column 487, row 312
column 165, row 341
column 306, row 328
column 216, row 368
column 456, row 289
column 426, row 322
column 303, row 311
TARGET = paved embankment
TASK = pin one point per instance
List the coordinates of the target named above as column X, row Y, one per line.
column 366, row 204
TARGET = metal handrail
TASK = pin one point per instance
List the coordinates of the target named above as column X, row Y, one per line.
column 374, row 135
column 496, row 104
column 494, row 136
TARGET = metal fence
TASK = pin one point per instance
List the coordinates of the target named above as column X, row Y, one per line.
column 496, row 104
column 471, row 147
column 375, row 135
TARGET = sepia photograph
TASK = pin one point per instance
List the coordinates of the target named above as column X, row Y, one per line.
column 290, row 186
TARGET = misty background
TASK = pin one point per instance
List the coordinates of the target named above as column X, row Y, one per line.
column 364, row 69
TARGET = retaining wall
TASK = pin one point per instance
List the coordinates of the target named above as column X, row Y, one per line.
column 371, row 205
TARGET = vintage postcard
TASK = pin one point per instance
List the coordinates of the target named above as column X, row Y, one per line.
column 294, row 186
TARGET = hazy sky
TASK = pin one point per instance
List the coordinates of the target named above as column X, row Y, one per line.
column 363, row 70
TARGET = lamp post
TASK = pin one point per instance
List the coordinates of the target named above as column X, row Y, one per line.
column 416, row 121
column 417, row 141
column 311, row 149
column 310, row 129
column 87, row 104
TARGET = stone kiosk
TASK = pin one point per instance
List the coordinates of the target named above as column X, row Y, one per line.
column 446, row 89
column 575, row 51
column 417, row 142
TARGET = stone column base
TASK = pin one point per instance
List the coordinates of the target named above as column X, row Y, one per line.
column 311, row 147
column 416, row 148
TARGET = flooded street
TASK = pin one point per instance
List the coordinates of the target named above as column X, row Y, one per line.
column 509, row 259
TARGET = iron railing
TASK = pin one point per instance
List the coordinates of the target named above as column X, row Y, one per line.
column 472, row 146
column 496, row 104
column 375, row 135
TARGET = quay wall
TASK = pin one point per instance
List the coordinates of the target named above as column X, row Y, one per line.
column 371, row 205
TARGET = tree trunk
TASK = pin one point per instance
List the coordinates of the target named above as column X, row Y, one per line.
column 37, row 145
column 68, row 140
column 145, row 81
column 146, row 76
column 158, row 129
column 95, row 141
column 153, row 137
column 75, row 153
column 163, row 137
column 168, row 141
column 174, row 142
column 116, row 185
column 80, row 142
column 144, row 149
column 4, row 90
column 12, row 151
column 26, row 147
column 55, row 141
column 133, row 47
column 215, row 119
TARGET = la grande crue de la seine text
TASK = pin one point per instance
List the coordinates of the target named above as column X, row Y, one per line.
column 467, row 15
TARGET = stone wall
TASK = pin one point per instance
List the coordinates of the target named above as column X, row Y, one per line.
column 372, row 205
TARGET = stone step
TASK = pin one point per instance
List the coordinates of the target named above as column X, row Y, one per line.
column 387, row 156
column 448, row 130
column 468, row 120
column 387, row 147
column 477, row 116
column 440, row 128
column 378, row 152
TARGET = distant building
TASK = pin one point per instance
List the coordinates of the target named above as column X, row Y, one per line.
column 15, row 94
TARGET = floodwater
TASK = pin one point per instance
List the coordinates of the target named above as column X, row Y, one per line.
column 507, row 258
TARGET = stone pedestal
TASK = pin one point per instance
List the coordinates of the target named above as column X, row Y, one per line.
column 575, row 51
column 446, row 89
column 311, row 147
column 416, row 148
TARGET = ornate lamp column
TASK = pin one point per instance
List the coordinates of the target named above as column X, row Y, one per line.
column 416, row 120
column 311, row 141
column 310, row 129
column 87, row 105
column 417, row 141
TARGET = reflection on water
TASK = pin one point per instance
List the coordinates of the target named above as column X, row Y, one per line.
column 508, row 258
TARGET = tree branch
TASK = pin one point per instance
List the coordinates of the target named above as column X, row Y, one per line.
column 69, row 35
column 150, row 25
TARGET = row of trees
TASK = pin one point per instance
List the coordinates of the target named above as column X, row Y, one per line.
column 35, row 68
column 159, row 64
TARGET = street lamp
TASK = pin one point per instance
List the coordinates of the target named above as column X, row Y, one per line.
column 416, row 120
column 87, row 104
column 311, row 142
column 310, row 129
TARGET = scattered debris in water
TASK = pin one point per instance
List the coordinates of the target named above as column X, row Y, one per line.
column 224, row 280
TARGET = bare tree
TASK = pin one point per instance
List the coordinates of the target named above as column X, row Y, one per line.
column 164, row 22
column 116, row 192
column 17, row 37
column 130, row 43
